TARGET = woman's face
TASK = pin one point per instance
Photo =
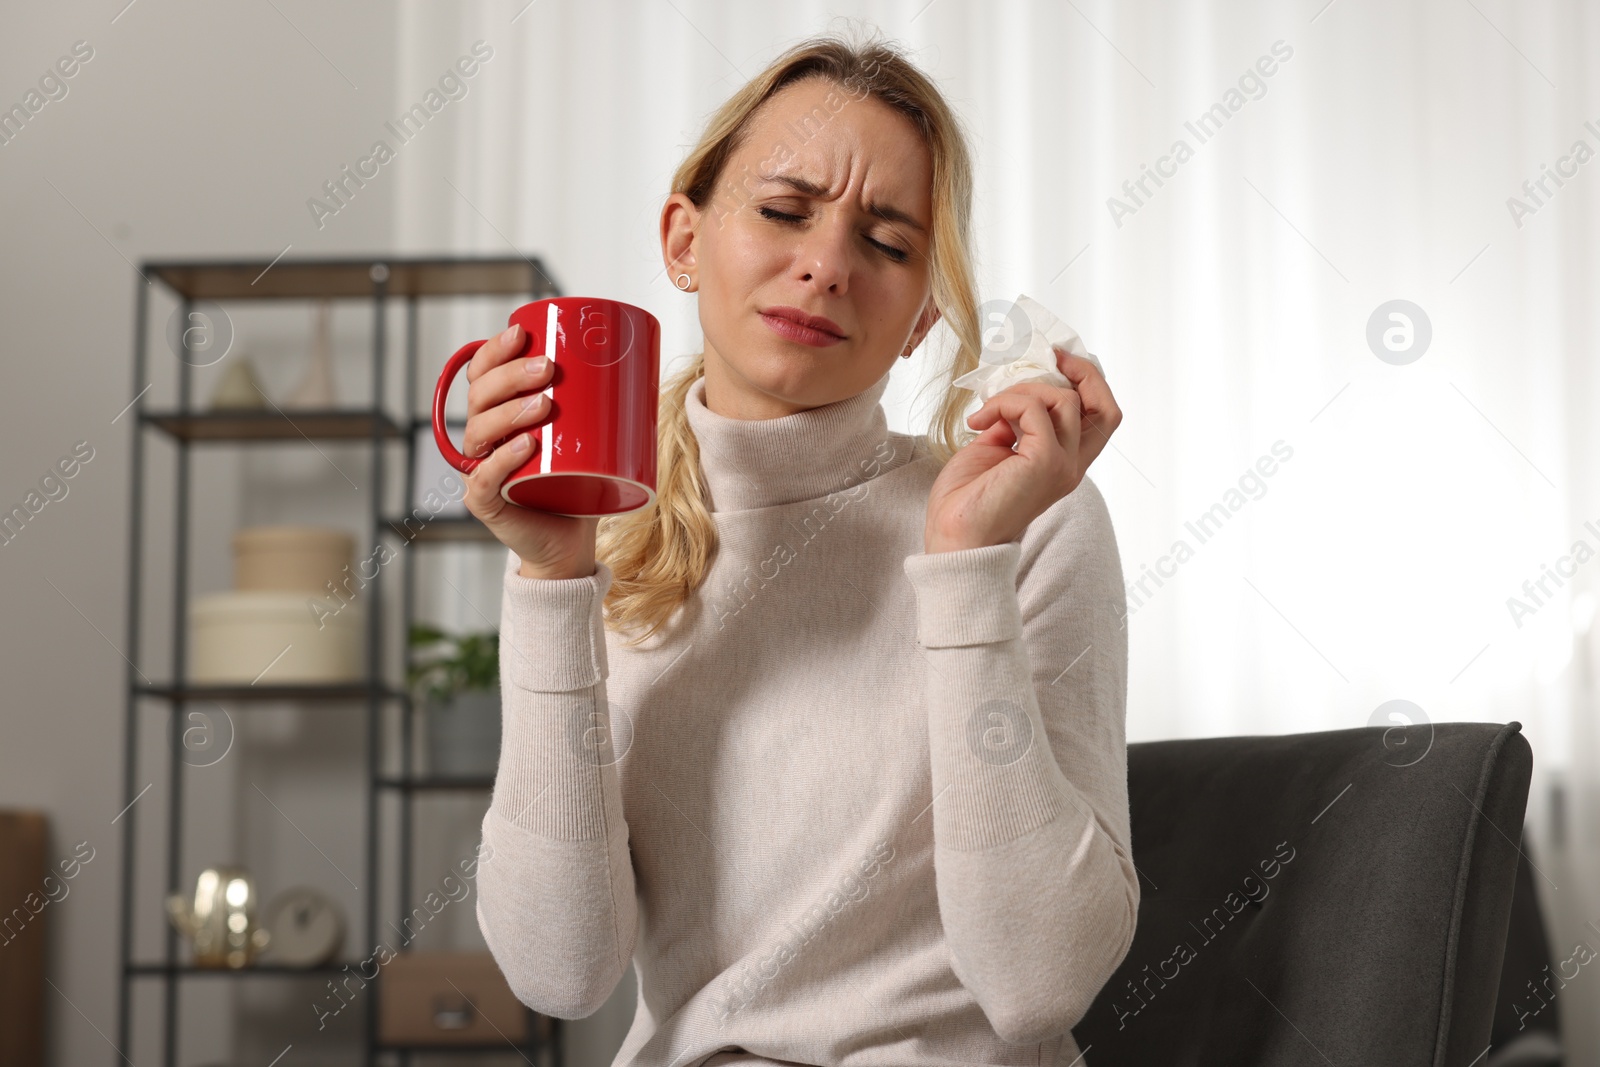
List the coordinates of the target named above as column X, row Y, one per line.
column 798, row 220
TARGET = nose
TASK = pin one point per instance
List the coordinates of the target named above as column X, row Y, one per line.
column 823, row 260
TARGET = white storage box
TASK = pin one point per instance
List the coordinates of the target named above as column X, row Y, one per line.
column 291, row 558
column 274, row 638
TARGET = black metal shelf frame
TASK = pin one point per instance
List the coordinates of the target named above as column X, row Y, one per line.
column 368, row 279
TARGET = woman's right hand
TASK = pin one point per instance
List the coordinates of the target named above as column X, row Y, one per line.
column 504, row 405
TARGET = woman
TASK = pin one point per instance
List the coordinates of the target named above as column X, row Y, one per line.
column 855, row 791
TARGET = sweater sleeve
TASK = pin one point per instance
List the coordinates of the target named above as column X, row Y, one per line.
column 1027, row 658
column 556, row 884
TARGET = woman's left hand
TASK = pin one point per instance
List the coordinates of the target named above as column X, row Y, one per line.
column 987, row 494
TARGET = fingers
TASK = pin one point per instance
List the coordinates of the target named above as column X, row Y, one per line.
column 505, row 394
column 520, row 411
column 488, row 429
column 483, row 482
column 1098, row 404
column 1041, row 433
column 493, row 355
column 1042, row 418
column 1000, row 433
column 1075, row 367
column 1060, row 404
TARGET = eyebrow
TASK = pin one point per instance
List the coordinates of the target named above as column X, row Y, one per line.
column 811, row 188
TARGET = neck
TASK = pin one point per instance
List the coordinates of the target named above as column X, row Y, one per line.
column 760, row 463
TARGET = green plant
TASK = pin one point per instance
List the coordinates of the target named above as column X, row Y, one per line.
column 451, row 663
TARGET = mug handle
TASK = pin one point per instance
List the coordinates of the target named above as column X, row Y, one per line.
column 441, row 436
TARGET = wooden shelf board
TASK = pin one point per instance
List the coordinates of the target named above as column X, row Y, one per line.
column 276, row 969
column 508, row 1046
column 246, row 692
column 346, row 424
column 439, row 783
column 442, row 530
column 311, row 279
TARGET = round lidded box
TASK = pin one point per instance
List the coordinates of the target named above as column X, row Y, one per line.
column 298, row 558
column 274, row 637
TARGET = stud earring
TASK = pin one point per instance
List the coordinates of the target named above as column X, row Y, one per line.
column 683, row 282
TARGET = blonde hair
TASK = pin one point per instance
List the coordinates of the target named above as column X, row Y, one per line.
column 660, row 555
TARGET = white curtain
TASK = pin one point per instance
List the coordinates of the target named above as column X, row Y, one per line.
column 1383, row 158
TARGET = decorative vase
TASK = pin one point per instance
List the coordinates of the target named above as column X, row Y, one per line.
column 464, row 734
column 316, row 388
column 239, row 390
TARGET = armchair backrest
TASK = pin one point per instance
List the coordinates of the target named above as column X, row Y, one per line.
column 1339, row 898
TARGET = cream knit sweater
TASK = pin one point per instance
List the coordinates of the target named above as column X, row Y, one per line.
column 862, row 805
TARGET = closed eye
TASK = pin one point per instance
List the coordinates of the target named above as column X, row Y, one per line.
column 896, row 254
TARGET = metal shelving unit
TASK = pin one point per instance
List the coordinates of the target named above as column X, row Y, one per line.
column 379, row 281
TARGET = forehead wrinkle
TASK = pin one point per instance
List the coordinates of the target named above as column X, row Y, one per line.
column 807, row 187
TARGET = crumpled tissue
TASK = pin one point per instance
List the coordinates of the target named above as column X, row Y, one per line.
column 1017, row 347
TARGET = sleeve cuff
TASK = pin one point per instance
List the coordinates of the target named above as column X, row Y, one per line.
column 966, row 597
column 552, row 633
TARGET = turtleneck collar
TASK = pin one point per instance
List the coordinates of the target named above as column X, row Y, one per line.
column 761, row 463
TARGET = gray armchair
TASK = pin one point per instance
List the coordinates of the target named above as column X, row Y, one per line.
column 1338, row 898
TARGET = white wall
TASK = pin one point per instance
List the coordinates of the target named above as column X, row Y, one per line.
column 194, row 130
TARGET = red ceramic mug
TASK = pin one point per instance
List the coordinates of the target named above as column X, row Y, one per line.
column 595, row 453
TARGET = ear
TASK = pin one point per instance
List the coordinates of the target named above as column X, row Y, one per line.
column 680, row 220
column 925, row 322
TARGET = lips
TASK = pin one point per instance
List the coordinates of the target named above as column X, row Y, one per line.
column 815, row 322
